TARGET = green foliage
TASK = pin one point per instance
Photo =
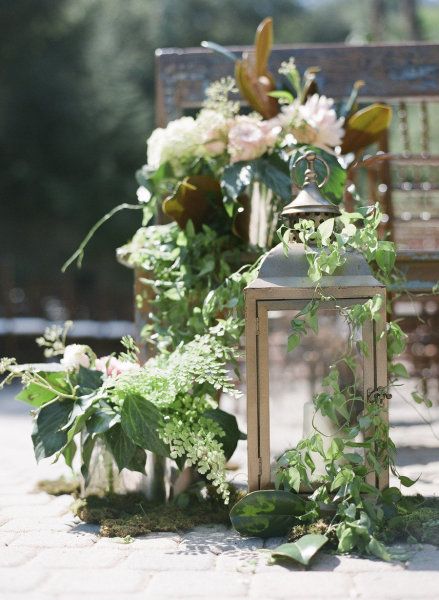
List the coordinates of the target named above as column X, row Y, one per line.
column 360, row 511
column 301, row 551
column 194, row 279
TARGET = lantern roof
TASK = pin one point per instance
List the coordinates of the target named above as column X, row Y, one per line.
column 310, row 200
column 291, row 272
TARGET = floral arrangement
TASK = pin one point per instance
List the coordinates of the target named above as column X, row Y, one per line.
column 167, row 405
column 200, row 173
column 200, row 168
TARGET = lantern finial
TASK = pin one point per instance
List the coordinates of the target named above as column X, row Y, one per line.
column 310, row 203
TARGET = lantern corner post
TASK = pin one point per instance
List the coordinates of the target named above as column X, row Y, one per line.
column 251, row 362
column 382, row 383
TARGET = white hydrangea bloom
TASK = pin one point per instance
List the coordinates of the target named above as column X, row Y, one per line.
column 75, row 356
column 180, row 141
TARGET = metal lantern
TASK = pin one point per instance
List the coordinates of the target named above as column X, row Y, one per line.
column 283, row 285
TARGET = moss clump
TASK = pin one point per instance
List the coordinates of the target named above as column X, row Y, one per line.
column 132, row 515
column 59, row 487
column 416, row 521
column 319, row 526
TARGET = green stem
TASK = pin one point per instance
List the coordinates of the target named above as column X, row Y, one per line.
column 79, row 254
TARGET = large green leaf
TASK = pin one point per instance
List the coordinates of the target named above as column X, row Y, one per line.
column 236, row 178
column 333, row 190
column 102, row 419
column 301, row 551
column 47, row 436
column 141, row 421
column 196, row 199
column 88, row 380
column 267, row 513
column 36, row 395
column 229, row 425
column 274, row 173
column 126, row 454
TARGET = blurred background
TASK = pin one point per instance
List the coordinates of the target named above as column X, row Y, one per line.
column 76, row 108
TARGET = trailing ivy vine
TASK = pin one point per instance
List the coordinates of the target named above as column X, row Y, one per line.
column 352, row 513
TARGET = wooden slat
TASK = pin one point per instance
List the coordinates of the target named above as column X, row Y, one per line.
column 390, row 71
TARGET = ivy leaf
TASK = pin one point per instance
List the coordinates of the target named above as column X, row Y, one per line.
column 406, row 481
column 325, row 229
column 379, row 550
column 142, row 421
column 229, row 425
column 301, row 551
column 126, row 454
column 399, row 370
column 293, row 341
column 47, row 436
column 385, row 256
column 267, row 513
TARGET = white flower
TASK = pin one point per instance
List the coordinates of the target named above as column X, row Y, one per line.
column 75, row 355
column 314, row 122
column 178, row 142
column 248, row 139
column 143, row 195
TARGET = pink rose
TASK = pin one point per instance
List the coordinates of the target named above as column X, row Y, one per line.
column 112, row 366
column 247, row 139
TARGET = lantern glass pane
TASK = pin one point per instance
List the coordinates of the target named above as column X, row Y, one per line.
column 295, row 377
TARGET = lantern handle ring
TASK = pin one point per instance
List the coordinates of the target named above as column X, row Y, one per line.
column 310, row 173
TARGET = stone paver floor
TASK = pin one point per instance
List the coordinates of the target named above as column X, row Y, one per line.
column 45, row 553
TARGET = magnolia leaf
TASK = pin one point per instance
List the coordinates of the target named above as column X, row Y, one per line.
column 267, row 513
column 229, row 425
column 252, row 77
column 365, row 127
column 236, row 178
column 141, row 421
column 333, row 189
column 241, row 221
column 263, row 44
column 197, row 199
column 47, row 436
column 303, row 550
column 274, row 173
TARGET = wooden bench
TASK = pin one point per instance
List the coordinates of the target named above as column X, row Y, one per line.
column 406, row 183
